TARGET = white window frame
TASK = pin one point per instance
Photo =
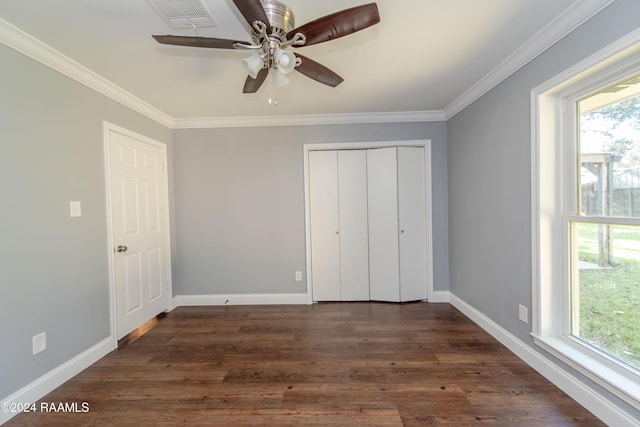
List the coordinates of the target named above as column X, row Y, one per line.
column 554, row 168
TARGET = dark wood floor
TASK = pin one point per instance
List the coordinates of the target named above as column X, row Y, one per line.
column 349, row 364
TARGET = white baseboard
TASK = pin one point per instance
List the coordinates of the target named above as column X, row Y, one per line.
column 53, row 379
column 439, row 296
column 595, row 402
column 264, row 299
column 240, row 299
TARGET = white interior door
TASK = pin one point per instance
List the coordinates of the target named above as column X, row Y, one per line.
column 325, row 226
column 382, row 183
column 139, row 227
column 354, row 233
column 412, row 223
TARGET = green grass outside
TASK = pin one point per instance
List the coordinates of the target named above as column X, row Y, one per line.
column 610, row 297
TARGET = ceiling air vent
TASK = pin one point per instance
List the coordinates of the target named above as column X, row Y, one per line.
column 183, row 13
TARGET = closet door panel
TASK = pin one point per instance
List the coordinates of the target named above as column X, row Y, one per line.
column 354, row 234
column 412, row 223
column 382, row 184
column 325, row 240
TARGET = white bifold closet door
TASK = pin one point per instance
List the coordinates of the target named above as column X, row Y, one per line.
column 384, row 255
column 397, row 223
column 412, row 223
column 338, row 219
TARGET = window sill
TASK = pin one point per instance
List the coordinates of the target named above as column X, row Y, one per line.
column 614, row 377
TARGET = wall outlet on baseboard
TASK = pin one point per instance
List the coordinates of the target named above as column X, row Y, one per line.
column 39, row 343
column 523, row 313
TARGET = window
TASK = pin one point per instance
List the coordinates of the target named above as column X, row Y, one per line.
column 586, row 218
column 605, row 228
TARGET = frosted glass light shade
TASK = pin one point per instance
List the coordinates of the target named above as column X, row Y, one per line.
column 279, row 79
column 286, row 61
column 253, row 64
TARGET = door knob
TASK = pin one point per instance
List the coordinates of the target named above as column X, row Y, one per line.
column 121, row 248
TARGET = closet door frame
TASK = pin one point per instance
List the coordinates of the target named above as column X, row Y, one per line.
column 426, row 143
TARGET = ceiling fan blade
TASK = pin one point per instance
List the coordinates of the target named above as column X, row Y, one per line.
column 198, row 41
column 252, row 85
column 318, row 72
column 338, row 24
column 252, row 10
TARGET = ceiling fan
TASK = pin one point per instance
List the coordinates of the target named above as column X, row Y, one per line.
column 274, row 31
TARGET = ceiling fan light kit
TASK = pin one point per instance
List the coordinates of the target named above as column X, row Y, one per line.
column 274, row 31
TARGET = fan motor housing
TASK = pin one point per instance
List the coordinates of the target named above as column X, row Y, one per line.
column 280, row 17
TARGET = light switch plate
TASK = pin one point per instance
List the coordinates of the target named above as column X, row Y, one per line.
column 39, row 343
column 75, row 209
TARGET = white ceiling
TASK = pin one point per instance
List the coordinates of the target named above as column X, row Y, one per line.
column 423, row 56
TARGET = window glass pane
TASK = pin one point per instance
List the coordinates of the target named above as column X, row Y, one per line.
column 610, row 151
column 606, row 289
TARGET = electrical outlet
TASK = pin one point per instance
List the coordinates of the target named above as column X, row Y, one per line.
column 523, row 313
column 39, row 343
column 298, row 276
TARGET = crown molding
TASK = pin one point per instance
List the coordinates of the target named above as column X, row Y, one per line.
column 310, row 119
column 575, row 15
column 579, row 12
column 28, row 45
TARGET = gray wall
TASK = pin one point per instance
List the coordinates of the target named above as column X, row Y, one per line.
column 490, row 178
column 53, row 269
column 239, row 203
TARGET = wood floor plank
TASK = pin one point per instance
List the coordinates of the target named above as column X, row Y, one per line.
column 342, row 364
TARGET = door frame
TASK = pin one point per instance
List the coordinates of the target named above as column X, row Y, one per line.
column 426, row 144
column 107, row 129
